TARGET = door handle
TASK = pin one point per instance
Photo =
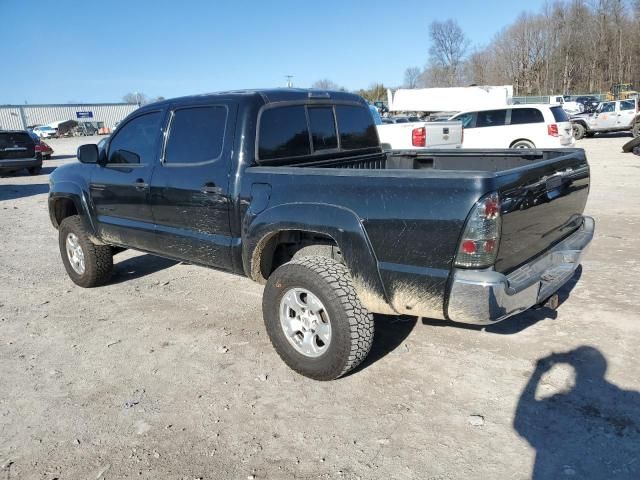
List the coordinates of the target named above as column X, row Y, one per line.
column 211, row 187
column 140, row 184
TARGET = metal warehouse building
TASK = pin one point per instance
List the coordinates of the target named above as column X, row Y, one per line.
column 19, row 117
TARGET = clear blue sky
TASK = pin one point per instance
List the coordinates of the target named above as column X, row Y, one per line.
column 93, row 51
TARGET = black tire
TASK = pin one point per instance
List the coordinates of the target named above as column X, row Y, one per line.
column 522, row 144
column 635, row 131
column 578, row 131
column 98, row 259
column 35, row 170
column 351, row 324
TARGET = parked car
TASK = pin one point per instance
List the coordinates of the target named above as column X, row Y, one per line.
column 518, row 126
column 414, row 135
column 18, row 151
column 292, row 189
column 45, row 131
column 589, row 102
column 614, row 116
column 569, row 106
column 42, row 147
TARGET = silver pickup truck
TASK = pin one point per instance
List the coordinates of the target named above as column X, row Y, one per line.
column 418, row 135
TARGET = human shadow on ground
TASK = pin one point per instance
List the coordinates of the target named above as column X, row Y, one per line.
column 518, row 322
column 12, row 192
column 589, row 431
column 138, row 266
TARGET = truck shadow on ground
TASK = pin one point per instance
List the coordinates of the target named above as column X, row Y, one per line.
column 589, row 430
column 519, row 322
column 138, row 266
column 390, row 332
column 12, row 192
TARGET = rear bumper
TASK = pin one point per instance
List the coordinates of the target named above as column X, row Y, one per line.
column 483, row 297
column 17, row 163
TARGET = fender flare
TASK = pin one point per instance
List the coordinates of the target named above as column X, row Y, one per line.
column 339, row 223
column 80, row 198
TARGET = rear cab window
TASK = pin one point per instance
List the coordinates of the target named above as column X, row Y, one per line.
column 559, row 114
column 295, row 131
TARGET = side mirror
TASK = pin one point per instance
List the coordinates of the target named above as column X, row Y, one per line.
column 88, row 153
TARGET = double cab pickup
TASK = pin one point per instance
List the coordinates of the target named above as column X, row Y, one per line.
column 292, row 189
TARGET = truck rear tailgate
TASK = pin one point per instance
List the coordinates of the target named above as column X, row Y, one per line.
column 541, row 205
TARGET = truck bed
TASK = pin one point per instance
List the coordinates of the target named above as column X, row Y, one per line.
column 543, row 193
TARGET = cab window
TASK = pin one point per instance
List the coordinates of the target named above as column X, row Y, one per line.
column 627, row 105
column 135, row 142
column 607, row 107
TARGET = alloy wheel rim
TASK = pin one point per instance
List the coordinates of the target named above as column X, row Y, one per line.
column 305, row 322
column 75, row 253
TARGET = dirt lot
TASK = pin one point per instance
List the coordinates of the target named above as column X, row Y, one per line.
column 167, row 371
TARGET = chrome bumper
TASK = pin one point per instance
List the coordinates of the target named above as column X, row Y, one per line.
column 483, row 297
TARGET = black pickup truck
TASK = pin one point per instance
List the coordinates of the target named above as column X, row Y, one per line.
column 292, row 189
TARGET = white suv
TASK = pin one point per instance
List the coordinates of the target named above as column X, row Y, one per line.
column 517, row 126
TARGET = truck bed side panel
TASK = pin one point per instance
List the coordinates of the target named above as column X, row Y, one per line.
column 412, row 220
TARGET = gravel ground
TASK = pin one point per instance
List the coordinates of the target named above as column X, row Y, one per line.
column 167, row 371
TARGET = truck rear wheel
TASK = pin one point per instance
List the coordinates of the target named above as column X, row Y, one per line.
column 314, row 318
column 88, row 265
column 578, row 131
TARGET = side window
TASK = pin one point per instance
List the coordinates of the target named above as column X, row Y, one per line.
column 323, row 128
column 467, row 120
column 491, row 118
column 526, row 115
column 356, row 127
column 627, row 105
column 196, row 135
column 283, row 133
column 135, row 142
column 608, row 107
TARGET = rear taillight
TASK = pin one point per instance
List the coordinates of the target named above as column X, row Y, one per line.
column 552, row 130
column 39, row 147
column 479, row 244
column 419, row 137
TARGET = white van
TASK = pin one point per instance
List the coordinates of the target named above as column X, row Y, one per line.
column 517, row 126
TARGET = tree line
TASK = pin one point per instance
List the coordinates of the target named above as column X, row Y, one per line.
column 569, row 47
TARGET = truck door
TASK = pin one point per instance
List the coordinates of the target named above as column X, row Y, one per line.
column 605, row 118
column 626, row 113
column 190, row 187
column 119, row 190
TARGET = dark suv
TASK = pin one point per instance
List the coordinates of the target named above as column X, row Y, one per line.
column 18, row 151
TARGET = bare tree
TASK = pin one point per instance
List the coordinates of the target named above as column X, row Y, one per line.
column 448, row 48
column 326, row 84
column 412, row 77
column 136, row 97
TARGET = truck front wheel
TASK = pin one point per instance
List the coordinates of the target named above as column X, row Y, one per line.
column 88, row 265
column 314, row 318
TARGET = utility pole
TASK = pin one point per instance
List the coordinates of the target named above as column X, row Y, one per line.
column 289, row 81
